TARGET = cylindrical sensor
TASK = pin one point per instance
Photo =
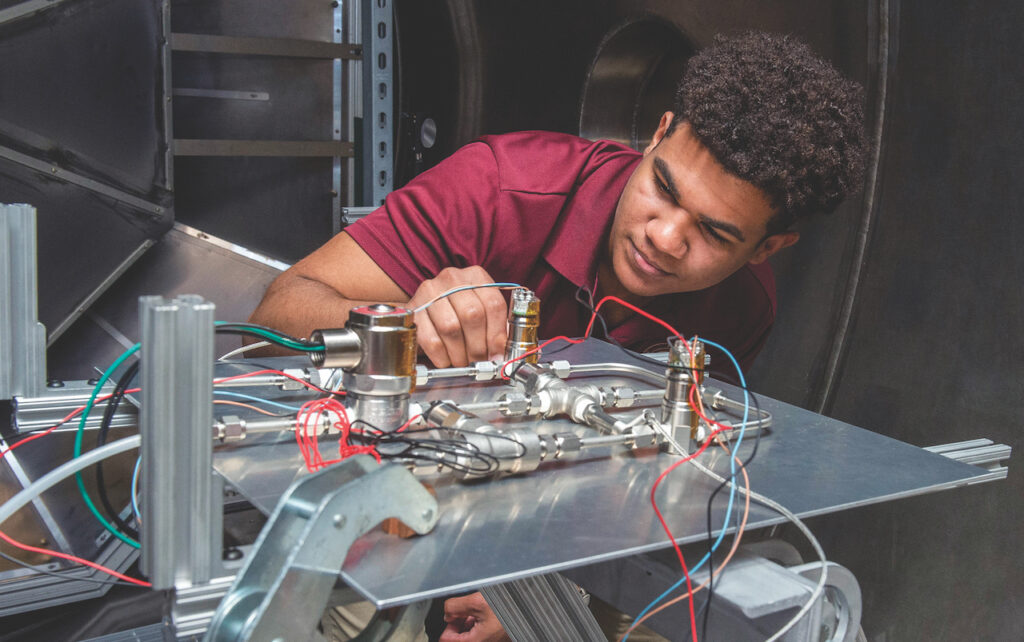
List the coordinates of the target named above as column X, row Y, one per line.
column 378, row 386
column 523, row 323
column 675, row 406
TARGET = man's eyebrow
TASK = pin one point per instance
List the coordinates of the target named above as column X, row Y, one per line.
column 666, row 177
column 729, row 228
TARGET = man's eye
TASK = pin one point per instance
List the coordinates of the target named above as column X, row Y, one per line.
column 662, row 187
column 714, row 234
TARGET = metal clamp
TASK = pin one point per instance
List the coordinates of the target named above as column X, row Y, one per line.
column 285, row 584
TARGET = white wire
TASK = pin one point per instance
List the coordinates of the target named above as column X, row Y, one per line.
column 64, row 471
column 503, row 286
column 788, row 514
column 243, row 349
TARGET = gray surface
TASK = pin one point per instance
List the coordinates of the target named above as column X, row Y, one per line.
column 83, row 133
column 568, row 515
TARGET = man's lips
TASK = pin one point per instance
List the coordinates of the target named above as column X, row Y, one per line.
column 644, row 264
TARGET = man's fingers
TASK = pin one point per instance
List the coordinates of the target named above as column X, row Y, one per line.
column 465, row 326
column 473, row 320
column 497, row 322
column 430, row 342
column 448, row 326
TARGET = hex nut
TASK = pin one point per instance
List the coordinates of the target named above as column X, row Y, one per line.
column 561, row 368
column 567, row 442
column 486, row 370
column 231, row 427
column 624, row 397
column 514, row 404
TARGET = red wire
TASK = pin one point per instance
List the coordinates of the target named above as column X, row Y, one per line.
column 270, row 371
column 310, row 412
column 43, row 551
column 590, row 327
column 72, row 558
column 409, row 423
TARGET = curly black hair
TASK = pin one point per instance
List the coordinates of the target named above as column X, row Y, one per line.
column 779, row 117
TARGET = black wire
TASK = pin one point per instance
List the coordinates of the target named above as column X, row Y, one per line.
column 101, row 438
column 248, row 328
column 64, row 576
column 416, row 449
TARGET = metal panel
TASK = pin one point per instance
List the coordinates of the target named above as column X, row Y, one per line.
column 597, row 508
column 82, row 138
column 279, row 206
column 185, row 260
column 209, row 147
column 285, row 47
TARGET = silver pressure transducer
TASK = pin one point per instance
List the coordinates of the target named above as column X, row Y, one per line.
column 377, row 352
column 523, row 324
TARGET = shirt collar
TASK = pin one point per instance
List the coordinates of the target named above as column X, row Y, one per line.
column 577, row 243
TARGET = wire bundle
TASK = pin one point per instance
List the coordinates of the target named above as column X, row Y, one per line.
column 307, row 423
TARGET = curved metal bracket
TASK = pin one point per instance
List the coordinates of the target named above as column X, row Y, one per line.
column 283, row 588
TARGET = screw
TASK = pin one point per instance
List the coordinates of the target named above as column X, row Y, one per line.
column 93, row 381
column 233, row 553
column 339, row 521
column 54, row 383
column 427, row 514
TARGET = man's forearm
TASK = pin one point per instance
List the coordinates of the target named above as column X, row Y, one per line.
column 298, row 305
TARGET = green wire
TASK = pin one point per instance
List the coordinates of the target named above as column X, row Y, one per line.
column 268, row 334
column 265, row 333
column 78, row 447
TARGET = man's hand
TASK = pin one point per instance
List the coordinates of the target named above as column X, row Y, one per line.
column 470, row 619
column 465, row 327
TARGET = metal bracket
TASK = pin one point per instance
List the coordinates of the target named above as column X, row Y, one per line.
column 378, row 100
column 283, row 587
column 22, row 337
column 182, row 530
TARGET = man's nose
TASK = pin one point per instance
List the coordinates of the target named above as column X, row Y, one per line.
column 670, row 235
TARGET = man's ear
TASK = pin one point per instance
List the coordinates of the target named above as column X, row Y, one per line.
column 772, row 244
column 659, row 134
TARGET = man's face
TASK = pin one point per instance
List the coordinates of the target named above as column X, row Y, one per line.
column 683, row 223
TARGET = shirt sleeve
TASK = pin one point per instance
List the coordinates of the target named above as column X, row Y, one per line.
column 444, row 217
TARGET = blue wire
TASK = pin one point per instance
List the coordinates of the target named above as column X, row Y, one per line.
column 251, row 398
column 135, row 490
column 732, row 487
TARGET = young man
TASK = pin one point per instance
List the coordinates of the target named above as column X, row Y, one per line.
column 762, row 134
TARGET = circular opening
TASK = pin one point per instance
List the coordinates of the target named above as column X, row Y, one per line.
column 632, row 80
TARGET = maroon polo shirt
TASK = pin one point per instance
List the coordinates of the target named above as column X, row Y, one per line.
column 535, row 208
